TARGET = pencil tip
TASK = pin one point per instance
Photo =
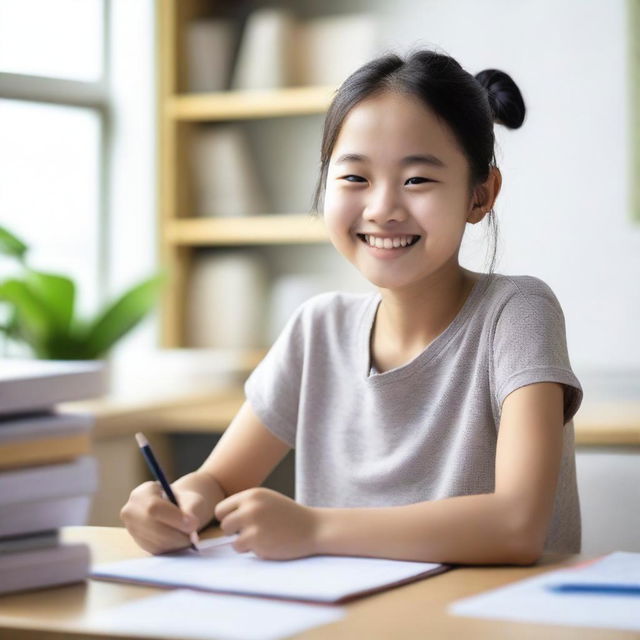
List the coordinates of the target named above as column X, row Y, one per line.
column 195, row 540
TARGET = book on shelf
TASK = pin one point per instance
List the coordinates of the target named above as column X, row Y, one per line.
column 209, row 51
column 265, row 54
column 225, row 179
column 216, row 316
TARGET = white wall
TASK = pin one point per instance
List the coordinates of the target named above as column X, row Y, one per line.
column 609, row 485
column 564, row 208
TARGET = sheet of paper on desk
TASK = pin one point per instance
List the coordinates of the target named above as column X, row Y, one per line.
column 194, row 615
column 218, row 567
column 535, row 600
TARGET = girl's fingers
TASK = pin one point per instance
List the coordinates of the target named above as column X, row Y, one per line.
column 226, row 506
column 165, row 512
column 156, row 509
column 159, row 538
column 242, row 543
column 232, row 523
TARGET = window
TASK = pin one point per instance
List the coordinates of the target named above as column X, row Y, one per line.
column 52, row 38
column 53, row 107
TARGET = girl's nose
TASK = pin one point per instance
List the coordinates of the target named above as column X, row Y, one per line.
column 384, row 206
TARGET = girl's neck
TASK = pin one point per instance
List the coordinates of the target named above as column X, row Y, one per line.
column 410, row 319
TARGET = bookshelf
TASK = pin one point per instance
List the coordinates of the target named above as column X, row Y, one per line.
column 237, row 105
column 181, row 233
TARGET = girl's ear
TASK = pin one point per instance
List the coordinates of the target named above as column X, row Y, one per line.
column 484, row 196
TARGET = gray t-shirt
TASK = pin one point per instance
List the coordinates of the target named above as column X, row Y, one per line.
column 425, row 430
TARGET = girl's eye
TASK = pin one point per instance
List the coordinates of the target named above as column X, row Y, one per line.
column 352, row 178
column 417, row 180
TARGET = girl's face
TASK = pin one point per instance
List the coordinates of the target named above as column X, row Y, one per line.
column 397, row 179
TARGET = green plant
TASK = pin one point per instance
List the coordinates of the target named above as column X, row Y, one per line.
column 41, row 308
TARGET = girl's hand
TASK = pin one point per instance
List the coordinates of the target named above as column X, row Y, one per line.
column 271, row 525
column 155, row 523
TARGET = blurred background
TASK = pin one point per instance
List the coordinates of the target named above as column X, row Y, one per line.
column 183, row 135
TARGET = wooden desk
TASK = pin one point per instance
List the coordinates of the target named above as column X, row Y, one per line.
column 417, row 610
column 601, row 423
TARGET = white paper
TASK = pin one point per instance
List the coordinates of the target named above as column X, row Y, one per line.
column 619, row 568
column 218, row 567
column 189, row 614
column 532, row 600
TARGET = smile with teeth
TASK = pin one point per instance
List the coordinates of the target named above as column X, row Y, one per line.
column 388, row 243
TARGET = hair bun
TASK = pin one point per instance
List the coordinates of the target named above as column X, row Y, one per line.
column 504, row 96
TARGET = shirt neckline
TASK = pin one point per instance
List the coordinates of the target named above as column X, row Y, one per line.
column 428, row 353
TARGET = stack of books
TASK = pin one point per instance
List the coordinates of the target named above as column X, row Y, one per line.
column 47, row 475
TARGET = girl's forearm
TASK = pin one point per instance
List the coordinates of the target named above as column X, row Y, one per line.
column 476, row 529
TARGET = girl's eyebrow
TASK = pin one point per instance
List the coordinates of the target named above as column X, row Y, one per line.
column 428, row 158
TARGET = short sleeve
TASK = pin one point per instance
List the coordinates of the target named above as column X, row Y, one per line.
column 530, row 346
column 273, row 388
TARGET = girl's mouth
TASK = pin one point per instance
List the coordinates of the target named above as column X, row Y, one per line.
column 389, row 244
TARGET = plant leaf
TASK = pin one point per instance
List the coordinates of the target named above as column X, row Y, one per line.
column 57, row 293
column 32, row 321
column 65, row 346
column 10, row 245
column 121, row 316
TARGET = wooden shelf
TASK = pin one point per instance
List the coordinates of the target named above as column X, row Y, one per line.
column 266, row 229
column 240, row 105
column 179, row 114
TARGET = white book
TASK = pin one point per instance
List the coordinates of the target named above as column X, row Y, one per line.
column 266, row 51
column 209, row 47
column 29, row 426
column 34, row 385
column 57, row 565
column 216, row 317
column 218, row 567
column 29, row 517
column 45, row 482
column 226, row 183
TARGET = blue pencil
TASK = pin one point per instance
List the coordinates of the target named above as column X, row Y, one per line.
column 605, row 589
column 158, row 474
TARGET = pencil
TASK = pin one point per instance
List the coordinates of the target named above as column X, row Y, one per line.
column 158, row 474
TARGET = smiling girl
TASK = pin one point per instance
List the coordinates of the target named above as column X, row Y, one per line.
column 432, row 419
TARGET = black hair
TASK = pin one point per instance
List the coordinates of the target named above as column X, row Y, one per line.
column 468, row 104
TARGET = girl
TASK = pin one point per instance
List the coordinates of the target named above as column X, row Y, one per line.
column 432, row 420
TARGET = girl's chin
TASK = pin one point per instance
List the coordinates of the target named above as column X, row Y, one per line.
column 387, row 280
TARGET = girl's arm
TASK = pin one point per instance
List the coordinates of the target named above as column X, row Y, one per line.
column 245, row 455
column 243, row 458
column 507, row 526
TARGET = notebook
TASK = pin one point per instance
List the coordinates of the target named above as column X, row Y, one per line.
column 218, row 567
